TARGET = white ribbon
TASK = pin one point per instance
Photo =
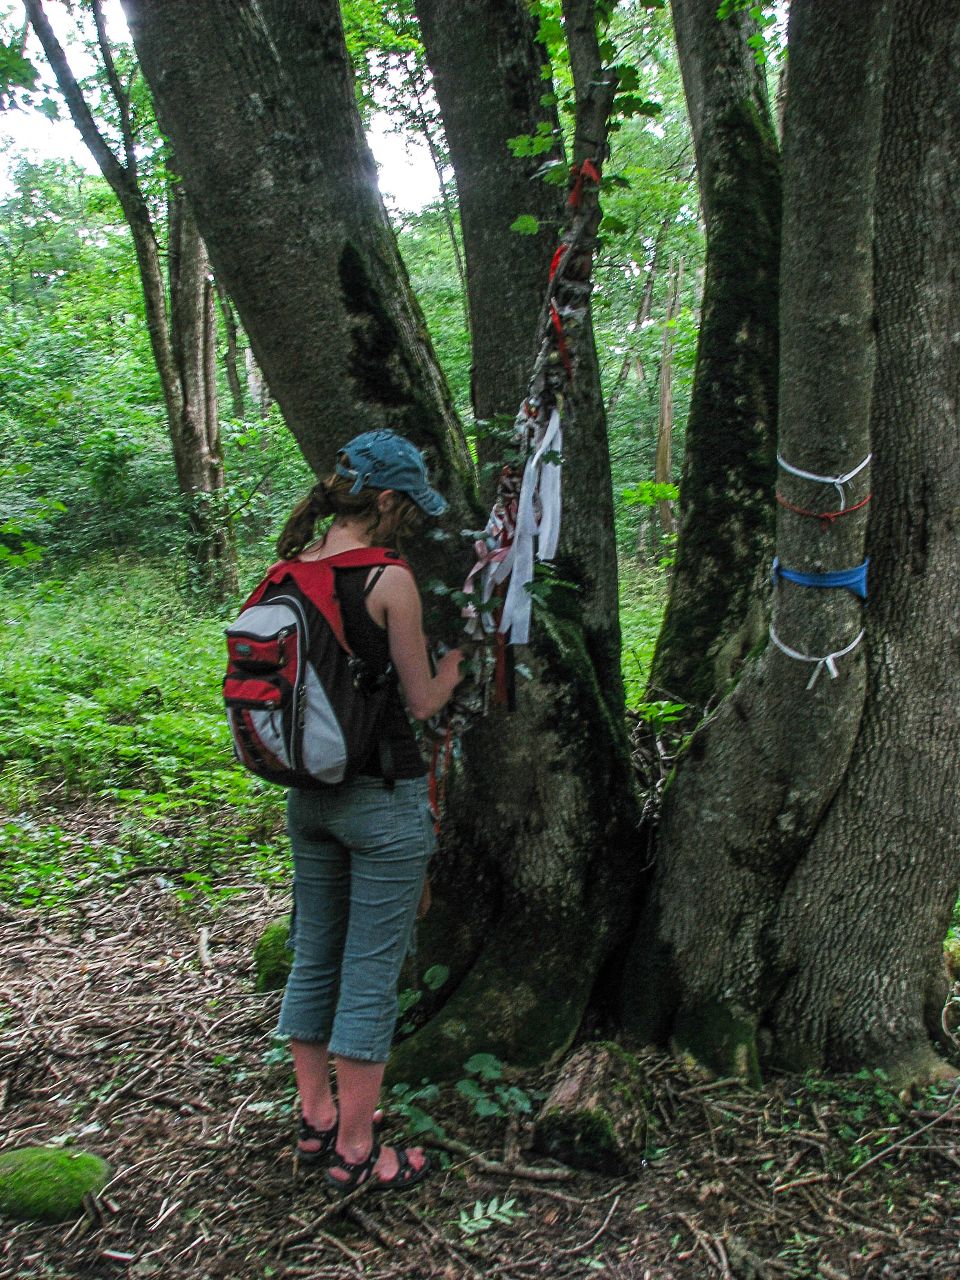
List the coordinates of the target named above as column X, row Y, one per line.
column 838, row 481
column 830, row 661
column 537, row 485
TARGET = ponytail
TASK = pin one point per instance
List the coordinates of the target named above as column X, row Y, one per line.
column 334, row 496
column 300, row 527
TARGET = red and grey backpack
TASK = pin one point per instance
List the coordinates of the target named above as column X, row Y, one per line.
column 304, row 711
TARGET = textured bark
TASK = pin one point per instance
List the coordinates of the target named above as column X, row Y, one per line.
column 715, row 612
column 757, row 779
column 187, row 377
column 486, row 63
column 860, row 928
column 258, row 101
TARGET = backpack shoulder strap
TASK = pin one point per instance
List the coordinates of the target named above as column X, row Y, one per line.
column 316, row 579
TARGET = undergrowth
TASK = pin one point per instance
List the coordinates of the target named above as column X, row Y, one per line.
column 114, row 752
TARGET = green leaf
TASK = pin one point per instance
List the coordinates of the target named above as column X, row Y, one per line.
column 525, row 225
column 436, row 976
column 612, row 225
column 484, row 1065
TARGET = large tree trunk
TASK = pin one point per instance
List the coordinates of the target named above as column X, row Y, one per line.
column 860, row 927
column 756, row 781
column 258, row 101
column 182, row 356
column 715, row 614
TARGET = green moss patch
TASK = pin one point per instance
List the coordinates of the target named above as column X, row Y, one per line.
column 272, row 958
column 46, row 1184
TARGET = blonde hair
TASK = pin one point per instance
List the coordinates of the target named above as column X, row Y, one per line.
column 332, row 496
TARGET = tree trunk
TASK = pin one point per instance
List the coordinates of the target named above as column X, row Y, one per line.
column 544, row 823
column 195, row 430
column 860, row 926
column 231, row 358
column 715, row 613
column 189, row 394
column 758, row 778
column 663, row 466
column 486, row 64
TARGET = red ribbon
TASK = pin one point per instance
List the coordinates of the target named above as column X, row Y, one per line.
column 826, row 518
column 561, row 339
column 580, row 173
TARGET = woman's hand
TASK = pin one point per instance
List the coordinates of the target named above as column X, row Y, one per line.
column 448, row 668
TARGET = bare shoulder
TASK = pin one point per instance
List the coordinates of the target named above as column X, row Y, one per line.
column 395, row 590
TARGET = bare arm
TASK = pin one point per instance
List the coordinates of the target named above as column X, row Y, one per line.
column 394, row 603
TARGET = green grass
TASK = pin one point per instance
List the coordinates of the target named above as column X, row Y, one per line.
column 110, row 692
column 643, row 597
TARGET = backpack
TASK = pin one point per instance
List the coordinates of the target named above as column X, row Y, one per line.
column 304, row 711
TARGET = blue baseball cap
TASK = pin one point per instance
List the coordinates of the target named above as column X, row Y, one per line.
column 384, row 460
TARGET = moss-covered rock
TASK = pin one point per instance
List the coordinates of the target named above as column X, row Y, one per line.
column 272, row 958
column 596, row 1115
column 47, row 1184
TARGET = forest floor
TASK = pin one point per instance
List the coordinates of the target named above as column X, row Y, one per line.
column 129, row 1027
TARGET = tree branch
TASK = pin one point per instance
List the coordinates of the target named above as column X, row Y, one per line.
column 82, row 116
column 121, row 96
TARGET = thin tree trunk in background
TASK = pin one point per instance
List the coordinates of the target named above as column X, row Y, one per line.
column 758, row 778
column 641, row 318
column 256, row 384
column 231, row 354
column 426, row 128
column 195, row 431
column 191, row 424
column 715, row 614
column 663, row 468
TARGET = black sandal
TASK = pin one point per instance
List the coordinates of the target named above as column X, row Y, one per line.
column 358, row 1172
column 326, row 1137
column 406, row 1175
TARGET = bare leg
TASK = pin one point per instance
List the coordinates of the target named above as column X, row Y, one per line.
column 311, row 1063
column 358, row 1088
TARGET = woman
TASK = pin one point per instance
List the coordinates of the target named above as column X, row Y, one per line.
column 360, row 849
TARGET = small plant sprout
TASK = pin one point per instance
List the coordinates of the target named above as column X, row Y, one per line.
column 482, row 1217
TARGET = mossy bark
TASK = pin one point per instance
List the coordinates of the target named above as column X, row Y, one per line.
column 760, row 776
column 716, row 609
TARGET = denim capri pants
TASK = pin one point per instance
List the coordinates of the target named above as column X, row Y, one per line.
column 360, row 853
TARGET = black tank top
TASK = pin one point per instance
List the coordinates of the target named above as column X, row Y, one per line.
column 369, row 642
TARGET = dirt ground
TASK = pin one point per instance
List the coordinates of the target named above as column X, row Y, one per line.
column 128, row 1025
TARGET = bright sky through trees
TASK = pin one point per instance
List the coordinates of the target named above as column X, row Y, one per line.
column 407, row 176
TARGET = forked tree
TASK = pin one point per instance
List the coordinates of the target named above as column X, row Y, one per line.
column 769, row 925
